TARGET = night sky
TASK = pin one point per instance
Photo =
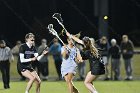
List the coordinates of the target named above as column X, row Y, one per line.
column 18, row 17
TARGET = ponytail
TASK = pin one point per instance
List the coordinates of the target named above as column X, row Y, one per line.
column 93, row 49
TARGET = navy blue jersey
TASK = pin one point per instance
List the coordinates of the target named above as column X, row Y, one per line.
column 28, row 53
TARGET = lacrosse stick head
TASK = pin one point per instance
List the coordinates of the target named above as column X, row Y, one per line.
column 51, row 30
column 58, row 17
column 50, row 26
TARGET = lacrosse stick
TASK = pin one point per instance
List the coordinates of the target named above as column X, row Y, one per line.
column 53, row 32
column 59, row 19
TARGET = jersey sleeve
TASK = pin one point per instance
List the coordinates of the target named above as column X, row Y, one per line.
column 22, row 54
column 85, row 55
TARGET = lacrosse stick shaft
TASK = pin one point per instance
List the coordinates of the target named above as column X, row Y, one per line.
column 63, row 27
column 60, row 40
column 63, row 43
column 66, row 31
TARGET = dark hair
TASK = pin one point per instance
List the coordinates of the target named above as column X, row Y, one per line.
column 28, row 35
column 85, row 40
column 55, row 39
column 89, row 45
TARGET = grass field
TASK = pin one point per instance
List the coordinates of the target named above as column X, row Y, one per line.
column 60, row 87
column 52, row 70
column 52, row 86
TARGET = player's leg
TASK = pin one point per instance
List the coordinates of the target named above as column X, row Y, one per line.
column 68, row 79
column 37, row 81
column 31, row 78
column 88, row 82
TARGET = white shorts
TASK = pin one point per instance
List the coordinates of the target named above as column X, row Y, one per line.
column 66, row 70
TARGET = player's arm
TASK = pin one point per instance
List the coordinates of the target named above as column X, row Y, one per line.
column 75, row 38
column 23, row 60
column 79, row 57
column 38, row 57
column 64, row 52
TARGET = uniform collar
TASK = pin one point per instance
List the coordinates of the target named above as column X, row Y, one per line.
column 28, row 45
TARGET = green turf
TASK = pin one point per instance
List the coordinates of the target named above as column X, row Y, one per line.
column 52, row 70
column 60, row 87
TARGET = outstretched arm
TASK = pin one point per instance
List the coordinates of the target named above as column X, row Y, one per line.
column 74, row 38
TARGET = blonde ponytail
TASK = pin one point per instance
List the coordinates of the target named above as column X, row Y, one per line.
column 93, row 49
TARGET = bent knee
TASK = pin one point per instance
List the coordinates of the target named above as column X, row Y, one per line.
column 87, row 82
column 39, row 82
column 68, row 80
column 32, row 78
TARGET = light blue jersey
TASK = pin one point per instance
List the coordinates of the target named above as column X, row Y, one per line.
column 69, row 65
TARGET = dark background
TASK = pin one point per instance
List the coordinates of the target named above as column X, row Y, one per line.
column 18, row 17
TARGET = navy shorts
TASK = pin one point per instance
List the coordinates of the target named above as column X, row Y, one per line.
column 23, row 68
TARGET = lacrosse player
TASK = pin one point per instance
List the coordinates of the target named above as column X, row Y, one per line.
column 97, row 65
column 68, row 68
column 27, row 55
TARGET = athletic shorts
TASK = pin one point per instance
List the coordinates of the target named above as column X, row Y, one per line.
column 23, row 68
column 97, row 68
column 66, row 70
